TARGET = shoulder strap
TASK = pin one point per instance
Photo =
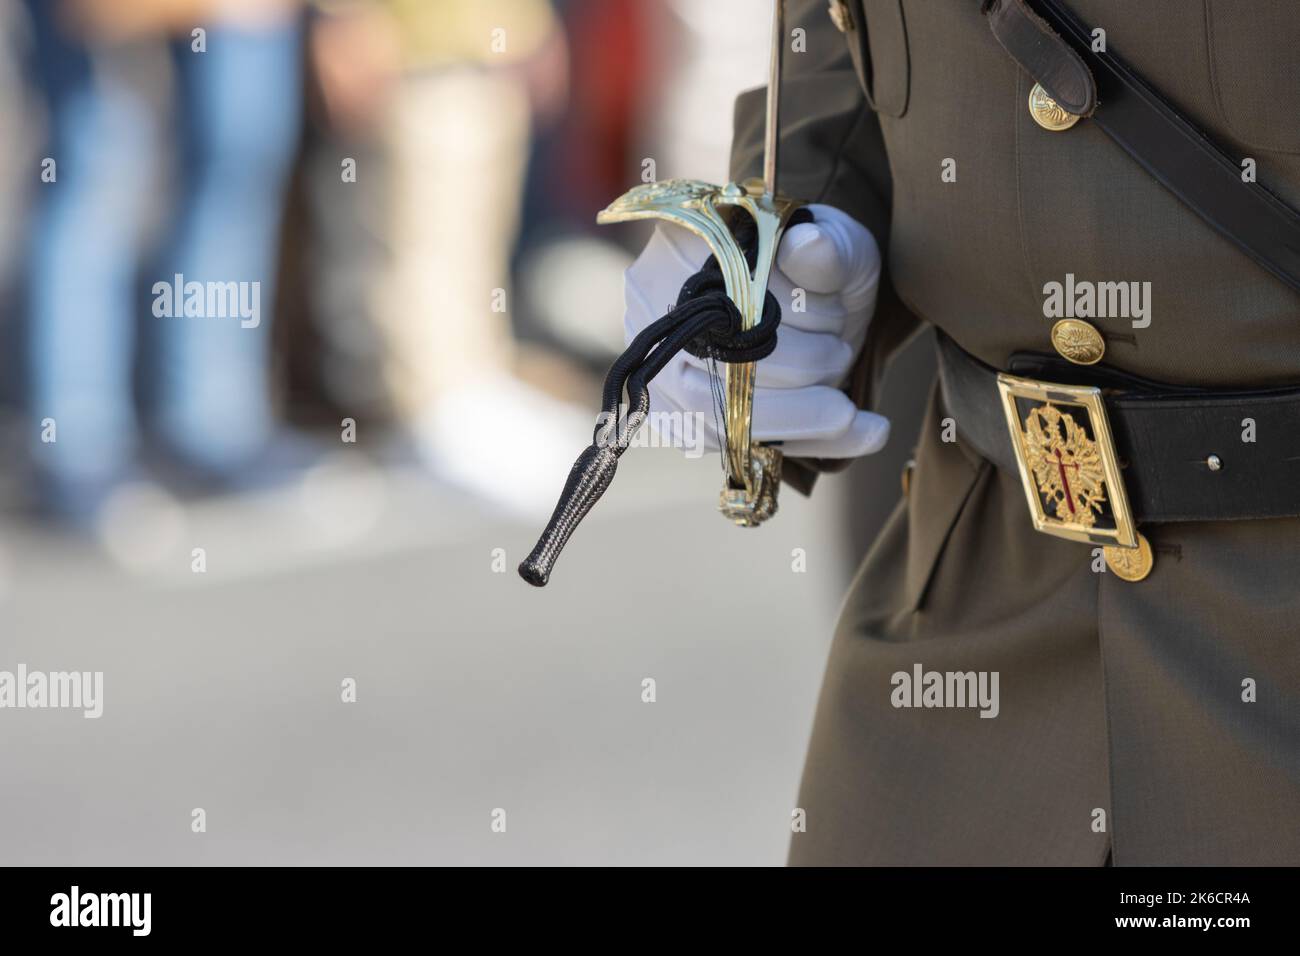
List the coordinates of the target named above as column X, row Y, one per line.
column 1150, row 129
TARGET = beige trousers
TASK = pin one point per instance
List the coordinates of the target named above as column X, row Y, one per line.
column 457, row 141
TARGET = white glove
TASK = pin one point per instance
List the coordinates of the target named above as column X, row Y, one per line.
column 797, row 400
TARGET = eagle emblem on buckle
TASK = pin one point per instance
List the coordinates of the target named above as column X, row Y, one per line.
column 1066, row 465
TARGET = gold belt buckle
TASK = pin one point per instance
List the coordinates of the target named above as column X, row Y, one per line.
column 1070, row 469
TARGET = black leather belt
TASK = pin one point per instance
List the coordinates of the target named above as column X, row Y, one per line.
column 1180, row 454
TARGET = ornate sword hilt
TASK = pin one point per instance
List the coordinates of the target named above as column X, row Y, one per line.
column 752, row 470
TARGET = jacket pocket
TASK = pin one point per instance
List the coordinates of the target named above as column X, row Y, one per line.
column 1254, row 60
column 942, row 482
column 878, row 44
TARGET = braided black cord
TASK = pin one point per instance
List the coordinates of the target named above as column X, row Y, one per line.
column 704, row 322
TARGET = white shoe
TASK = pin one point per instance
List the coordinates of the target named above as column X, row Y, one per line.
column 505, row 442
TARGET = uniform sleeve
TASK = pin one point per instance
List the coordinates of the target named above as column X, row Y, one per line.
column 831, row 152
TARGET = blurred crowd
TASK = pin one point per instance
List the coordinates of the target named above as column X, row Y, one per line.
column 229, row 228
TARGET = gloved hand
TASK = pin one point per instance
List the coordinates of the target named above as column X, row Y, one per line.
column 797, row 400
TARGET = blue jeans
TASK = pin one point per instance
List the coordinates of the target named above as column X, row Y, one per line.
column 238, row 113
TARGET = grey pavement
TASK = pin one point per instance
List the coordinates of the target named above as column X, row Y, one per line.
column 474, row 691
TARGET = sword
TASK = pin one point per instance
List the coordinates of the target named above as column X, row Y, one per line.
column 751, row 470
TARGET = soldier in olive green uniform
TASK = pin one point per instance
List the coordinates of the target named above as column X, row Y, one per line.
column 1144, row 722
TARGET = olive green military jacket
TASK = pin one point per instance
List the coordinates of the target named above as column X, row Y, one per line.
column 1149, row 722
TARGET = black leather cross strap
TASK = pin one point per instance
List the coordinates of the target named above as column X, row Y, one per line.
column 1051, row 43
column 1164, row 436
column 1033, row 44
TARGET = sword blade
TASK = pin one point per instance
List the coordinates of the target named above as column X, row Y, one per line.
column 772, row 134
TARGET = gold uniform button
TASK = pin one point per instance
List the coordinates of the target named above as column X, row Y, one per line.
column 1078, row 341
column 1047, row 113
column 1131, row 564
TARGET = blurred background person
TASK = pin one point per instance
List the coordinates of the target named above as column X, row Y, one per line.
column 472, row 80
column 17, row 162
column 234, row 127
column 335, row 247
